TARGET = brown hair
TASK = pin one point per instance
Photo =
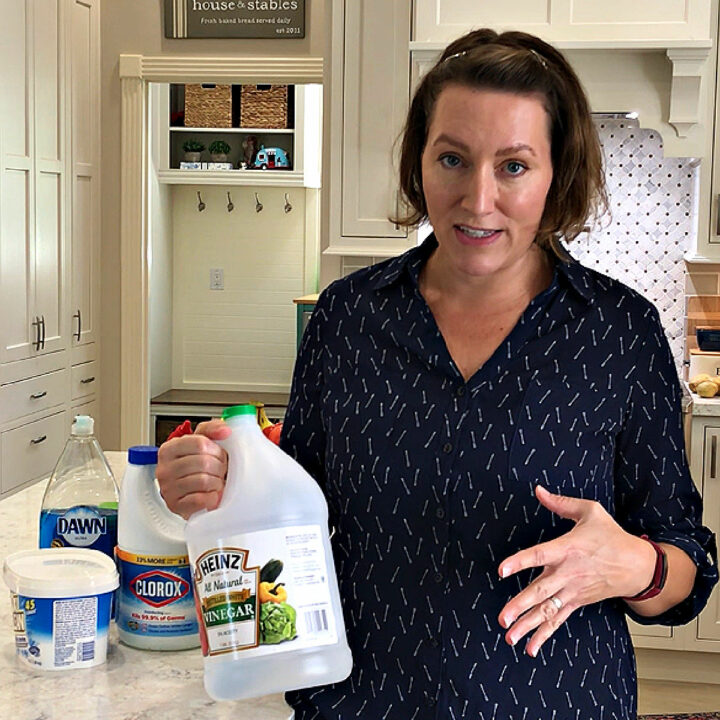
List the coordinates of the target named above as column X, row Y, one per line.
column 519, row 63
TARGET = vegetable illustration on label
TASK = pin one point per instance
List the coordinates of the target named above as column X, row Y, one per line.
column 277, row 618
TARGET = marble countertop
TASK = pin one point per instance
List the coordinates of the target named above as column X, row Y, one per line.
column 702, row 407
column 131, row 685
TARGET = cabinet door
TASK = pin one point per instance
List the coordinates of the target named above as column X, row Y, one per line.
column 708, row 623
column 30, row 452
column 375, row 101
column 85, row 247
column 17, row 333
column 50, row 191
column 558, row 20
column 31, row 180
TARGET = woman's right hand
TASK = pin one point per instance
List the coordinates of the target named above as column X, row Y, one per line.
column 191, row 469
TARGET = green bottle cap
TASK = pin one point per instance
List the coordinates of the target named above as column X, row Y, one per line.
column 239, row 410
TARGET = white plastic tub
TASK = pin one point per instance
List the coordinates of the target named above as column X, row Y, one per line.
column 62, row 601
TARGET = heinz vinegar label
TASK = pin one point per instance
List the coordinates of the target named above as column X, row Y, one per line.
column 265, row 592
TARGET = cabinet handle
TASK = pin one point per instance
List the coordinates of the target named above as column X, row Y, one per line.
column 42, row 325
column 717, row 219
column 36, row 325
column 88, row 380
column 397, row 207
column 38, row 440
column 38, row 395
column 79, row 319
column 713, row 456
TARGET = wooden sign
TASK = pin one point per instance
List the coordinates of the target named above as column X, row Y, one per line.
column 281, row 19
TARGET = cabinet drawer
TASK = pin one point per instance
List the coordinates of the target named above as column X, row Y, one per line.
column 83, row 380
column 28, row 396
column 30, row 451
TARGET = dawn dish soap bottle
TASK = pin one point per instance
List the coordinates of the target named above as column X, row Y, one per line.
column 155, row 606
column 265, row 586
column 80, row 504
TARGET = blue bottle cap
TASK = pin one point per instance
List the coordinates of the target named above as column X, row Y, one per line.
column 142, row 455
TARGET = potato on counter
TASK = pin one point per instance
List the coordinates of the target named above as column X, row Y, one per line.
column 707, row 389
column 697, row 379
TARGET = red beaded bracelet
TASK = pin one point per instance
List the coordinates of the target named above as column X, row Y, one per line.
column 659, row 575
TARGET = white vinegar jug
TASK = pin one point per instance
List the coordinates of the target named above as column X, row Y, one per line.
column 265, row 586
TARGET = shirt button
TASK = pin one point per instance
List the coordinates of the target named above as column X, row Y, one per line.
column 432, row 642
column 431, row 701
column 447, row 447
column 439, row 513
column 460, row 391
column 438, row 577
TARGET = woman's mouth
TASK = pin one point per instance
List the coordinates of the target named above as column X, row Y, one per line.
column 476, row 236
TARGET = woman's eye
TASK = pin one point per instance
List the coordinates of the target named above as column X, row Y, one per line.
column 515, row 168
column 450, row 161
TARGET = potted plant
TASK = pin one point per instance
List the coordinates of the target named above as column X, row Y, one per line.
column 219, row 150
column 192, row 150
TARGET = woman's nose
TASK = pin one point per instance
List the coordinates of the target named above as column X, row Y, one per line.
column 481, row 192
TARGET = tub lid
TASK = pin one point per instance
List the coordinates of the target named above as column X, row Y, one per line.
column 60, row 572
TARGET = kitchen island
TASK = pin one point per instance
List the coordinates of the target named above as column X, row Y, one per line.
column 131, row 685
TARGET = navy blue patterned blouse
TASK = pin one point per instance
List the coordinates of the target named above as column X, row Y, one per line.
column 430, row 479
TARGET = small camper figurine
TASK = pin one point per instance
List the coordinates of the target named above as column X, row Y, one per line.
column 272, row 158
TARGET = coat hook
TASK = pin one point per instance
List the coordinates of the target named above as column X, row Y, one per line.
column 230, row 205
column 258, row 204
column 288, row 206
column 201, row 204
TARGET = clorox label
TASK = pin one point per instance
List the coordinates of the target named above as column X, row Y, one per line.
column 159, row 588
column 155, row 597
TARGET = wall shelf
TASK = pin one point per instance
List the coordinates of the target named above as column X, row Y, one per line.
column 266, row 178
column 247, row 131
column 302, row 143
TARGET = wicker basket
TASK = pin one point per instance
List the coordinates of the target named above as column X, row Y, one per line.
column 263, row 108
column 208, row 106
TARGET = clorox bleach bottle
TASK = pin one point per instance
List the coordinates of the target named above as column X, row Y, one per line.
column 265, row 584
column 155, row 605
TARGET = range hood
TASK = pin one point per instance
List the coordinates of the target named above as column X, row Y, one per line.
column 667, row 84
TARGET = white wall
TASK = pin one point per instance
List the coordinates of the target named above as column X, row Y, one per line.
column 242, row 337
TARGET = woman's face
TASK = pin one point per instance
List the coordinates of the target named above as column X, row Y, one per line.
column 486, row 171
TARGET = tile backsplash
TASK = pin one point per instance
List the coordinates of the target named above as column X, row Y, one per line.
column 651, row 219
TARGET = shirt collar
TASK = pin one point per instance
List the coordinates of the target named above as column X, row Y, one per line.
column 411, row 261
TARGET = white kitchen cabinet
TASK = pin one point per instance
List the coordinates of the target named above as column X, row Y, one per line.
column 32, row 179
column 708, row 624
column 29, row 452
column 565, row 20
column 49, row 227
column 368, row 102
column 85, row 177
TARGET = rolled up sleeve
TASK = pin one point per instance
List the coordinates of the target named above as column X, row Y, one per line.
column 654, row 493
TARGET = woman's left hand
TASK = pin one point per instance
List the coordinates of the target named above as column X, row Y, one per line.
column 596, row 560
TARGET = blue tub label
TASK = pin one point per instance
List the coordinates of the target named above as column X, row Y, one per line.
column 83, row 526
column 155, row 598
column 61, row 633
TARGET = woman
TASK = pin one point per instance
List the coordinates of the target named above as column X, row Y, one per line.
column 495, row 427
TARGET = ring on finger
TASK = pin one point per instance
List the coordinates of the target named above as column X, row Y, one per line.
column 556, row 601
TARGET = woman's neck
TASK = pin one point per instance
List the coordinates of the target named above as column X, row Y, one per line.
column 502, row 291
